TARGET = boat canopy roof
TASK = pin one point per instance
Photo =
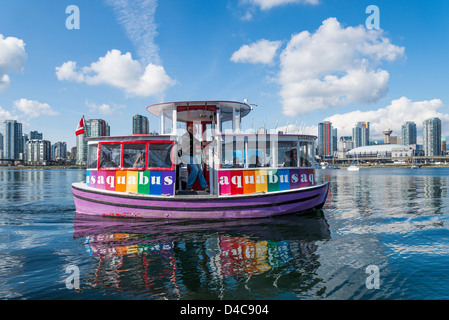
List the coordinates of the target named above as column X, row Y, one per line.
column 201, row 110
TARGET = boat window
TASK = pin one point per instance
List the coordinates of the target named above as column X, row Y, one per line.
column 168, row 121
column 236, row 125
column 233, row 152
column 310, row 154
column 110, row 155
column 305, row 157
column 258, row 151
column 287, row 154
column 134, row 155
column 160, row 155
column 92, row 156
column 227, row 152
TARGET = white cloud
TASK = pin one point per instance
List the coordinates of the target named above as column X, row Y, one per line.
column 262, row 51
column 335, row 66
column 391, row 117
column 104, row 109
column 33, row 108
column 268, row 4
column 6, row 115
column 302, row 129
column 12, row 58
column 247, row 8
column 137, row 18
column 67, row 72
column 120, row 71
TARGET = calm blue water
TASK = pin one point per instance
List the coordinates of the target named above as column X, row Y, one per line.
column 393, row 221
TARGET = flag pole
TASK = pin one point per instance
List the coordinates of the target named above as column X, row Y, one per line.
column 85, row 127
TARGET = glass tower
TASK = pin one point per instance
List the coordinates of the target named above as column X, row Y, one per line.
column 326, row 141
column 140, row 124
column 94, row 128
column 432, row 137
column 13, row 142
column 360, row 134
column 409, row 133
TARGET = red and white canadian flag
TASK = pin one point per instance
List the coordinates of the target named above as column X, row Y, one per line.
column 80, row 127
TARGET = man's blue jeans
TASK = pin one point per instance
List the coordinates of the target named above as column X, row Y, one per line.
column 195, row 172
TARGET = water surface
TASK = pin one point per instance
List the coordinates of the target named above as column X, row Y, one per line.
column 393, row 220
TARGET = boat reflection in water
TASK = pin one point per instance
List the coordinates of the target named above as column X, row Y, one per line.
column 202, row 260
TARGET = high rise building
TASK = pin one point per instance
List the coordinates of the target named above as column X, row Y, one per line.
column 37, row 152
column 409, row 133
column 59, row 150
column 13, row 143
column 345, row 144
column 97, row 128
column 140, row 124
column 334, row 141
column 443, row 145
column 73, row 153
column 94, row 128
column 326, row 141
column 360, row 134
column 1, row 146
column 35, row 135
column 432, row 137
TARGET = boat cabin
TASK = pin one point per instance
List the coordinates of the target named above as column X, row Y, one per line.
column 234, row 162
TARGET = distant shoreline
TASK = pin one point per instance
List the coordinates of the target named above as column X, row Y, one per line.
column 41, row 167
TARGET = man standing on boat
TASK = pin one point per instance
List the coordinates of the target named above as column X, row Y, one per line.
column 192, row 157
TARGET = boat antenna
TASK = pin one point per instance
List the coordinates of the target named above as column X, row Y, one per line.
column 250, row 104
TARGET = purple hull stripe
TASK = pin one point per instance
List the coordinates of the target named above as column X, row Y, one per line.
column 97, row 202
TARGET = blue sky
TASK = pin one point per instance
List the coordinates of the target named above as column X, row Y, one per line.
column 300, row 61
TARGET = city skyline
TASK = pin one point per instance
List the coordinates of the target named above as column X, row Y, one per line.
column 431, row 136
column 56, row 62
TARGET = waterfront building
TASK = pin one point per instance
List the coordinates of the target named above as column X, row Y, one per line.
column 443, row 145
column 382, row 151
column 59, row 150
column 387, row 133
column 360, row 134
column 334, row 141
column 72, row 155
column 432, row 137
column 37, row 152
column 395, row 140
column 34, row 135
column 1, row 146
column 326, row 141
column 94, row 128
column 409, row 133
column 24, row 141
column 345, row 143
column 13, row 142
column 140, row 124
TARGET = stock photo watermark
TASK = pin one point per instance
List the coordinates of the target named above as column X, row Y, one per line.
column 373, row 279
column 72, row 282
column 73, row 20
column 373, row 20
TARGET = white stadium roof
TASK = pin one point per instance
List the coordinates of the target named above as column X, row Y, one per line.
column 378, row 148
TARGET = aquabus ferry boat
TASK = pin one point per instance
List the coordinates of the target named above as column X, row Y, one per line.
column 248, row 175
